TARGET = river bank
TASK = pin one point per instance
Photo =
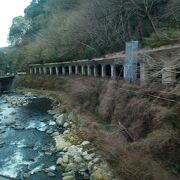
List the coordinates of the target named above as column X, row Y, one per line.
column 76, row 155
column 127, row 126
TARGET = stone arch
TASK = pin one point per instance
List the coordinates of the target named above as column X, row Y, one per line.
column 99, row 70
column 37, row 70
column 79, row 69
column 60, row 70
column 33, row 71
column 108, row 70
column 119, row 71
column 73, row 69
column 54, row 70
column 48, row 70
column 67, row 70
column 92, row 70
column 85, row 70
column 138, row 70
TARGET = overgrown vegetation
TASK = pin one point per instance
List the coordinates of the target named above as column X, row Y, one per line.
column 137, row 135
column 61, row 30
column 168, row 37
column 4, row 62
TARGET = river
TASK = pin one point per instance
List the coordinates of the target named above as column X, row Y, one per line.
column 25, row 144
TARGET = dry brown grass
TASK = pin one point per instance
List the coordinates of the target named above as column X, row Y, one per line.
column 101, row 105
column 107, row 101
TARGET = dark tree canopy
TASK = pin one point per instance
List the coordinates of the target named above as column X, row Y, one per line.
column 18, row 30
column 59, row 30
column 4, row 62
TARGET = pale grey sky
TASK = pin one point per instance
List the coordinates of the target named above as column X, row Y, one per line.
column 8, row 10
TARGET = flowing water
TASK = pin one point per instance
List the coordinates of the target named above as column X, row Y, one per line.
column 24, row 142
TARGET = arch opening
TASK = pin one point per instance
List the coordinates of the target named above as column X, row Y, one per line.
column 138, row 71
column 108, row 71
column 67, row 70
column 53, row 70
column 91, row 70
column 119, row 71
column 99, row 70
column 73, row 70
column 79, row 69
column 85, row 71
column 47, row 70
column 60, row 70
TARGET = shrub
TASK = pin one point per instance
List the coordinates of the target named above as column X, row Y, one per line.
column 172, row 118
column 166, row 37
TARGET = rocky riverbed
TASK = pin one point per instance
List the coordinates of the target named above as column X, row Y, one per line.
column 76, row 154
column 62, row 151
column 26, row 149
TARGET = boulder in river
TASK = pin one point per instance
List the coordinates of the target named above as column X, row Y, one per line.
column 60, row 120
column 26, row 175
column 68, row 178
column 61, row 143
column 65, row 158
column 71, row 167
column 59, row 161
column 50, row 174
column 65, row 125
column 55, row 134
column 49, row 131
column 70, row 173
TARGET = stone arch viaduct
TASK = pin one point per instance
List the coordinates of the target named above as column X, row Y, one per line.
column 110, row 66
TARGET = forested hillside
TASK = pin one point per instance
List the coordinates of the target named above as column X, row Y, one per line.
column 134, row 127
column 61, row 30
column 5, row 62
